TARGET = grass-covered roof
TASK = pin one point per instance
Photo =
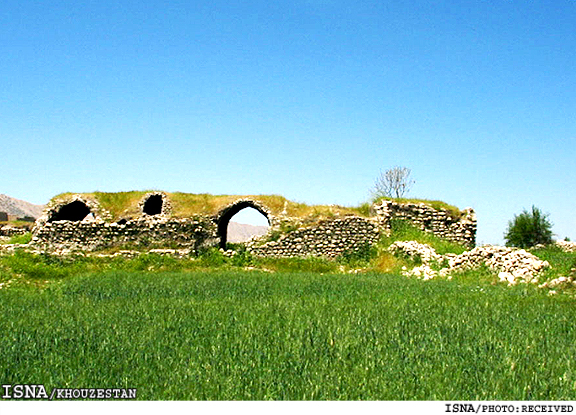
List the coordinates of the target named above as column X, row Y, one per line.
column 184, row 205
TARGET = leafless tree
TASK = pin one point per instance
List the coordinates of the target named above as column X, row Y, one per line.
column 395, row 182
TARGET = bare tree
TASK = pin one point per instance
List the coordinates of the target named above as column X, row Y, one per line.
column 395, row 182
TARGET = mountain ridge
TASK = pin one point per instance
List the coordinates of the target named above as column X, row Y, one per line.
column 242, row 232
column 19, row 208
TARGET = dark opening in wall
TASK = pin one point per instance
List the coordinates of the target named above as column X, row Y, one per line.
column 74, row 211
column 153, row 205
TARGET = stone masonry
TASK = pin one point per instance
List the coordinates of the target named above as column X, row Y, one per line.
column 329, row 238
column 77, row 222
column 439, row 222
column 191, row 233
column 7, row 231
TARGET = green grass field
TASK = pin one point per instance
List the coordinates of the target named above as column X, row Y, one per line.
column 180, row 332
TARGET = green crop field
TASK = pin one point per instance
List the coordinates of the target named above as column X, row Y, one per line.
column 229, row 334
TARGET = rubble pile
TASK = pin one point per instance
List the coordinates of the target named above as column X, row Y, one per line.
column 567, row 246
column 512, row 264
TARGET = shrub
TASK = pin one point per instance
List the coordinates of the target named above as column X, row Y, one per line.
column 529, row 229
column 41, row 267
column 241, row 256
column 359, row 257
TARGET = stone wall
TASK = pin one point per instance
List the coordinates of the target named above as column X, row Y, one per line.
column 76, row 222
column 93, row 235
column 329, row 238
column 440, row 222
column 8, row 230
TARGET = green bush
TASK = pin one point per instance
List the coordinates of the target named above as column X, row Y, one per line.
column 529, row 229
column 359, row 257
column 241, row 257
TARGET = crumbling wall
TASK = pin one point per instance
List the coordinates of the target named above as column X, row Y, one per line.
column 77, row 222
column 91, row 229
column 155, row 204
column 329, row 238
column 66, row 209
column 440, row 222
column 7, row 230
column 93, row 235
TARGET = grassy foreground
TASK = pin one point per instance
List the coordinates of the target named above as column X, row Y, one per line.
column 241, row 335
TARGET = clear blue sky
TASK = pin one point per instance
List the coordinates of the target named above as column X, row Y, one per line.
column 309, row 99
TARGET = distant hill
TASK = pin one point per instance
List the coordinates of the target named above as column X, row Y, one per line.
column 19, row 208
column 241, row 232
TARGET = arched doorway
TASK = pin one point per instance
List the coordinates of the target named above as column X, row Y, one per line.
column 73, row 211
column 240, row 213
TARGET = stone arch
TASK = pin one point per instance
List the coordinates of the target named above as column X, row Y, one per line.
column 229, row 211
column 74, row 211
column 74, row 208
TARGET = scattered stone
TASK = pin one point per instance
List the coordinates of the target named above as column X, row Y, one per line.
column 563, row 282
column 567, row 246
column 513, row 265
column 9, row 231
column 416, row 250
column 422, row 272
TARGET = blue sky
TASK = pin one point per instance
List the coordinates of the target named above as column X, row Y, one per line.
column 309, row 99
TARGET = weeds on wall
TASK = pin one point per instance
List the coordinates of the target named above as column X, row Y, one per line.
column 284, row 228
column 402, row 230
